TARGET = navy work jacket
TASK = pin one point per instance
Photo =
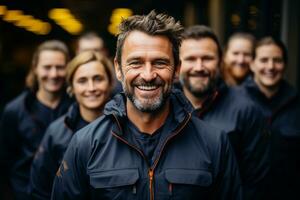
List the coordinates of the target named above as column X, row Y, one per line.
column 193, row 161
column 50, row 153
column 229, row 109
column 21, row 133
column 283, row 116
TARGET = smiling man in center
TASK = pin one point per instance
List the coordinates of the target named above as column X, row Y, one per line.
column 148, row 145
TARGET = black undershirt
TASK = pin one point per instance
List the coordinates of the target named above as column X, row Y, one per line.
column 148, row 143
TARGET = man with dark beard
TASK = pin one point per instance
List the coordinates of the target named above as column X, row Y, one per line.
column 224, row 107
column 148, row 145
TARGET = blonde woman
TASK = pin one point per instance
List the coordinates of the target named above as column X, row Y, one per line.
column 90, row 81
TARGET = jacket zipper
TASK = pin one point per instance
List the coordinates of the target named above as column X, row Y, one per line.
column 151, row 176
column 151, row 169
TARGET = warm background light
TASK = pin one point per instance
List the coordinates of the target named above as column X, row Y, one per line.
column 64, row 18
column 28, row 22
column 116, row 18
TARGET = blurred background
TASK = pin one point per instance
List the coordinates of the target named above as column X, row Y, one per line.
column 26, row 23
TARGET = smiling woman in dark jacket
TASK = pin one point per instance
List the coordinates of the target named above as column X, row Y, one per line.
column 280, row 104
column 26, row 118
column 90, row 80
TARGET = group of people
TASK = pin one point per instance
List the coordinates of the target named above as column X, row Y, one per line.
column 171, row 117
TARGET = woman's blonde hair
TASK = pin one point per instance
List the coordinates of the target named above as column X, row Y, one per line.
column 51, row 45
column 86, row 57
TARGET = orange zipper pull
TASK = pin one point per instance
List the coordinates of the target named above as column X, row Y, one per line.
column 170, row 189
column 150, row 173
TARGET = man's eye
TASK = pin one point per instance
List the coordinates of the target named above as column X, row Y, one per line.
column 47, row 67
column 134, row 64
column 208, row 58
column 190, row 59
column 263, row 60
column 60, row 67
column 160, row 64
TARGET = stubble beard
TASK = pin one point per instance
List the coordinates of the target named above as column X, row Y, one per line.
column 149, row 105
column 202, row 91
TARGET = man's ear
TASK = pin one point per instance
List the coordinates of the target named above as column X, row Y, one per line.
column 118, row 70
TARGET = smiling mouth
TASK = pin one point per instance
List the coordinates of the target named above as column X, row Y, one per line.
column 147, row 88
column 55, row 81
column 269, row 74
column 242, row 65
column 92, row 97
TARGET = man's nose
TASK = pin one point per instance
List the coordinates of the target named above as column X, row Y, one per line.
column 241, row 58
column 198, row 65
column 148, row 73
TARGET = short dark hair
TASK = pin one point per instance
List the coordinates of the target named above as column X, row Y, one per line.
column 52, row 45
column 151, row 24
column 201, row 32
column 269, row 41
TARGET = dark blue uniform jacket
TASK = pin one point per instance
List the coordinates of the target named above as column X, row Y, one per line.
column 229, row 109
column 21, row 133
column 193, row 161
column 51, row 150
column 283, row 115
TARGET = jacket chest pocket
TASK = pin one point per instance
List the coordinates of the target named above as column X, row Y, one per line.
column 189, row 183
column 114, row 184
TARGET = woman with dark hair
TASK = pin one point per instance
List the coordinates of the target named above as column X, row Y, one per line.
column 280, row 104
column 25, row 118
column 90, row 79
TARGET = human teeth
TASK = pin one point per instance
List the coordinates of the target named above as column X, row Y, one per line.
column 92, row 97
column 143, row 87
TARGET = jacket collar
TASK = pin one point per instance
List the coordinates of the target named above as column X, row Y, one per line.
column 72, row 116
column 285, row 94
column 116, row 108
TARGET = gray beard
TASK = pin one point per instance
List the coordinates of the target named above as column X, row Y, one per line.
column 148, row 106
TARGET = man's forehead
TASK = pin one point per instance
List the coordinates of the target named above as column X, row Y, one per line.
column 141, row 38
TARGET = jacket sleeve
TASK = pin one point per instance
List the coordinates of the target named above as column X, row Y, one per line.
column 228, row 182
column 71, row 180
column 43, row 168
column 254, row 158
column 8, row 144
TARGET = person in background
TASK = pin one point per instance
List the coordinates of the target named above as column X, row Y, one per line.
column 280, row 104
column 25, row 118
column 92, row 41
column 238, row 54
column 224, row 107
column 148, row 145
column 90, row 80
